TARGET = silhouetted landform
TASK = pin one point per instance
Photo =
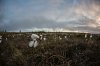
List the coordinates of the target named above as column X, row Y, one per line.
column 54, row 49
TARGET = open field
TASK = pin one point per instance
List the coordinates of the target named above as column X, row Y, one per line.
column 54, row 49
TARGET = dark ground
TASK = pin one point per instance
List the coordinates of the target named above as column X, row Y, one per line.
column 56, row 50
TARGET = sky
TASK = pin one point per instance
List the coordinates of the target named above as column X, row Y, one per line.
column 50, row 15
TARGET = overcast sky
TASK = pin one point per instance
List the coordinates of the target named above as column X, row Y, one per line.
column 50, row 15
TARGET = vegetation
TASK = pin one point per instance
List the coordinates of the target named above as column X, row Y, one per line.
column 57, row 50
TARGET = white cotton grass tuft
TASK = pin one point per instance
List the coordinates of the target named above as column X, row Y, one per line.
column 34, row 42
column 44, row 39
column 91, row 36
column 41, row 37
column 85, row 35
column 0, row 39
column 34, row 36
column 60, row 38
column 65, row 36
column 31, row 43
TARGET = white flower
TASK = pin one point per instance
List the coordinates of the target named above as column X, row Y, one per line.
column 34, row 42
column 34, row 36
column 0, row 37
column 0, row 41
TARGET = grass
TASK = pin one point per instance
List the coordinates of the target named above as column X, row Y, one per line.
column 75, row 50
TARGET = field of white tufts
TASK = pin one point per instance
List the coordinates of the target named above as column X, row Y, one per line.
column 34, row 42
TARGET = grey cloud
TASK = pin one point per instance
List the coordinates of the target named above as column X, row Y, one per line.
column 25, row 19
column 81, row 24
column 97, row 1
column 35, row 23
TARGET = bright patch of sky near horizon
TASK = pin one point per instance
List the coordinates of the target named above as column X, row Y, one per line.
column 65, row 15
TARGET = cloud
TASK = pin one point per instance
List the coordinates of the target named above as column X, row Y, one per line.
column 65, row 15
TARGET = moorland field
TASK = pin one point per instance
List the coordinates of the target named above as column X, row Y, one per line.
column 57, row 49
